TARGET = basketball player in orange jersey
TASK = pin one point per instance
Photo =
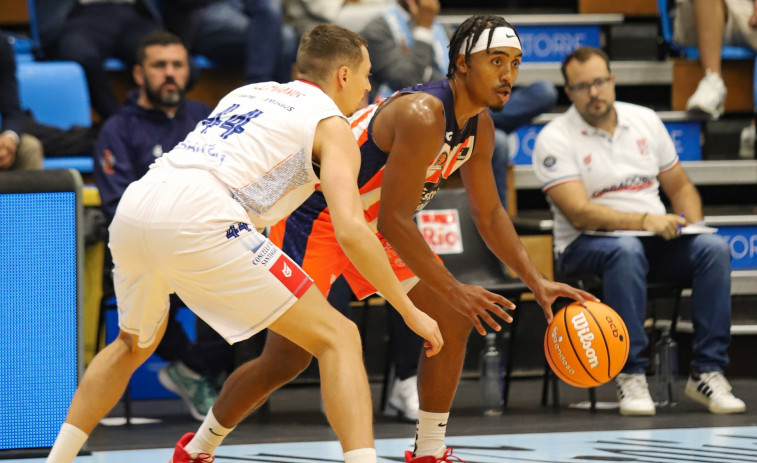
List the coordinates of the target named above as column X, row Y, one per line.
column 410, row 144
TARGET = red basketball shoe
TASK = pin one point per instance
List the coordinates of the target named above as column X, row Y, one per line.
column 432, row 459
column 180, row 455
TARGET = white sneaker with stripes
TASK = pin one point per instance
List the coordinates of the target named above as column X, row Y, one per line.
column 714, row 392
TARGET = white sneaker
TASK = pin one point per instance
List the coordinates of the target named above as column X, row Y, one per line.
column 403, row 401
column 709, row 96
column 714, row 392
column 746, row 146
column 633, row 395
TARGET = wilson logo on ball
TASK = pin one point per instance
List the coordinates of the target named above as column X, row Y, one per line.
column 581, row 324
column 586, row 346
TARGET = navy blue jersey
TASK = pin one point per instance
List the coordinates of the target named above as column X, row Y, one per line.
column 457, row 148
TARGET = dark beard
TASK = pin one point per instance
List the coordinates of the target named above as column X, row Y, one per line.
column 171, row 100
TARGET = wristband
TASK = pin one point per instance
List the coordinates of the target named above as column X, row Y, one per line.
column 643, row 217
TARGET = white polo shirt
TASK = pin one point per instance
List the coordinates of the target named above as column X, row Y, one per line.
column 618, row 171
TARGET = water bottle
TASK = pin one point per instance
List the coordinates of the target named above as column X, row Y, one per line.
column 666, row 369
column 491, row 378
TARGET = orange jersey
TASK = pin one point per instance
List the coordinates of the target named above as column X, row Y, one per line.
column 307, row 235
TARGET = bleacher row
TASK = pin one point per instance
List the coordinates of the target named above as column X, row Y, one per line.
column 547, row 39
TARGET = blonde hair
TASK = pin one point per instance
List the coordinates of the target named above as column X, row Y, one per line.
column 327, row 47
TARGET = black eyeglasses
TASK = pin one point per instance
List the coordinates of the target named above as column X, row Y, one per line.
column 585, row 87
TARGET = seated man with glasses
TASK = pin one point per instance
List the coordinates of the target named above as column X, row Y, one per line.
column 601, row 165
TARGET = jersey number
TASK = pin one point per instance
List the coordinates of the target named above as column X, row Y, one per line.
column 232, row 125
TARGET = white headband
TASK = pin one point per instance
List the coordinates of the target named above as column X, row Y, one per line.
column 503, row 37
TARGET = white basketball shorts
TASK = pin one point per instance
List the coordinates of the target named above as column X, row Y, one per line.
column 179, row 230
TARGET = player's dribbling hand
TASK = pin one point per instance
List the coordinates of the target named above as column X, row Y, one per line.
column 478, row 304
column 548, row 291
column 426, row 327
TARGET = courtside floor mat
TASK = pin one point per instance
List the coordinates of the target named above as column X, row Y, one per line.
column 700, row 445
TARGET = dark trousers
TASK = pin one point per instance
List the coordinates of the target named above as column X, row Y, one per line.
column 93, row 33
column 210, row 355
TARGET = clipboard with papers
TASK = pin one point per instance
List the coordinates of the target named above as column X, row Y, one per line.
column 693, row 229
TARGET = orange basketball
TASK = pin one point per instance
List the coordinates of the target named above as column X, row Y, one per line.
column 586, row 346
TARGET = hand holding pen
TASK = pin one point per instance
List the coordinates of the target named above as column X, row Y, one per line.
column 667, row 226
column 681, row 224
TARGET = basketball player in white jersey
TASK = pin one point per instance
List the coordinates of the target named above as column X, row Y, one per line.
column 189, row 226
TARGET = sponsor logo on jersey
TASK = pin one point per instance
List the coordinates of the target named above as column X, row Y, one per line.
column 108, row 162
column 294, row 278
column 267, row 252
column 549, row 161
column 642, row 144
column 633, row 183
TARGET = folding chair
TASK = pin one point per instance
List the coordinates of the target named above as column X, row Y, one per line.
column 477, row 265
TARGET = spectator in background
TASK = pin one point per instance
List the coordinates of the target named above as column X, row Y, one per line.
column 601, row 165
column 153, row 120
column 248, row 31
column 709, row 24
column 304, row 14
column 18, row 151
column 408, row 45
column 90, row 31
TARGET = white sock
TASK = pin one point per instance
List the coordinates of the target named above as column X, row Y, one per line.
column 430, row 432
column 208, row 437
column 67, row 445
column 360, row 456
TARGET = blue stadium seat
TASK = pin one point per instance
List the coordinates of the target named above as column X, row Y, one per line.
column 728, row 52
column 56, row 93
